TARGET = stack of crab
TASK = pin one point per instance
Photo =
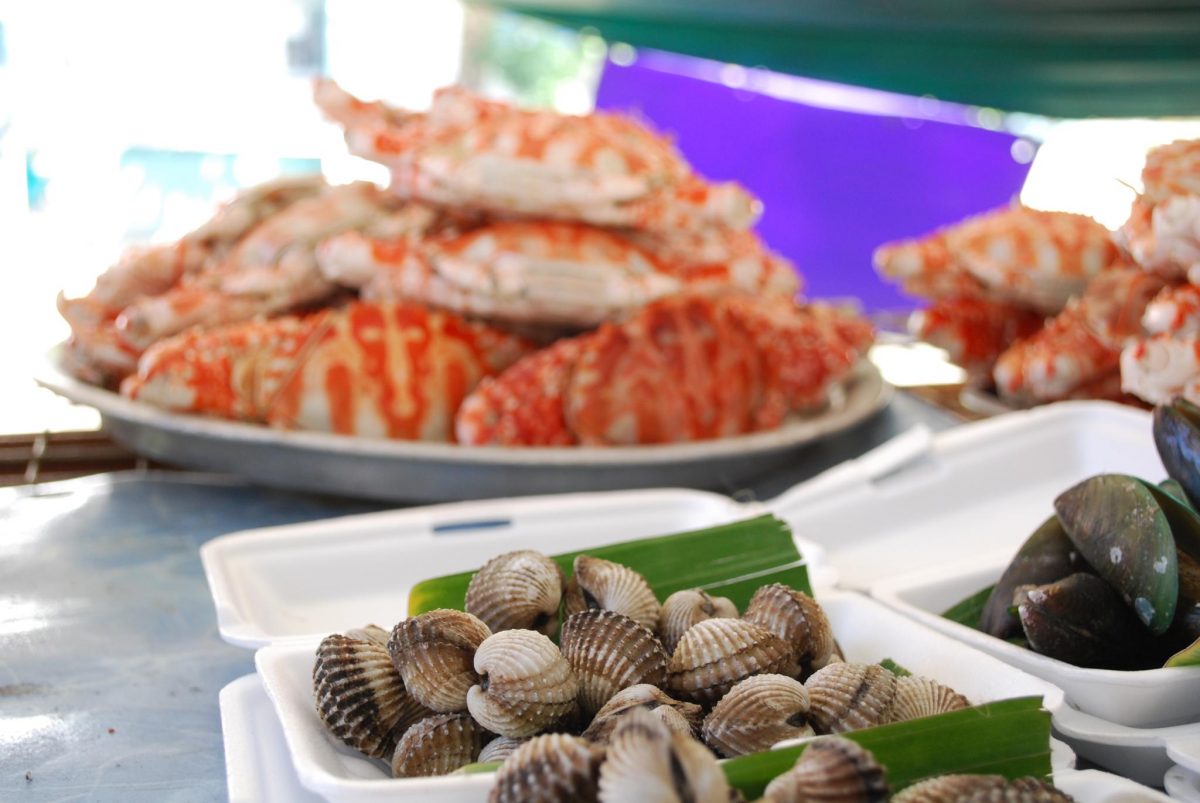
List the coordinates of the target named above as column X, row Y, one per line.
column 634, row 697
column 1050, row 306
column 527, row 278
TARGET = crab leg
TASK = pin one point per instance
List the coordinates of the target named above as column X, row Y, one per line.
column 974, row 331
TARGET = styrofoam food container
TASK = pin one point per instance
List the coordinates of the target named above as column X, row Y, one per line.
column 1182, row 784
column 866, row 631
column 1144, row 698
column 306, row 580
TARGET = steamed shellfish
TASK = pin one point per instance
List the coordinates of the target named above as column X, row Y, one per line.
column 551, row 768
column 846, row 697
column 433, row 653
column 956, row 788
column 609, row 652
column 438, row 745
column 685, row 608
column 831, row 770
column 717, row 653
column 756, row 713
column 797, row 619
column 525, row 685
column 923, row 697
column 677, row 716
column 648, row 762
column 599, row 583
column 517, row 591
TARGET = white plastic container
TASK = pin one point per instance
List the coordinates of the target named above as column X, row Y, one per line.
column 866, row 631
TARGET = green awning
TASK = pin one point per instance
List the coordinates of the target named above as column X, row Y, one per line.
column 1064, row 58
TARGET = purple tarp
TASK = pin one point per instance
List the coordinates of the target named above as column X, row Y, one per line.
column 839, row 169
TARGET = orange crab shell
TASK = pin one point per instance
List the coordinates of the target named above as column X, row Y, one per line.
column 974, row 331
column 378, row 370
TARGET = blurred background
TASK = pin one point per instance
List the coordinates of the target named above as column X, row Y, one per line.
column 129, row 121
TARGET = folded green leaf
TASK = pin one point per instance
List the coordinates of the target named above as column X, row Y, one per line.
column 970, row 610
column 1190, row 656
column 894, row 668
column 730, row 560
column 1009, row 737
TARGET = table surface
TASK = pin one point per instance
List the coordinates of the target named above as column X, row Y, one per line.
column 110, row 661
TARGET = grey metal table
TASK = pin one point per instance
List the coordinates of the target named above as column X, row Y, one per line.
column 110, row 662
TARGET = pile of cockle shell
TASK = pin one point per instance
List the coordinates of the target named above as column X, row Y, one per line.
column 448, row 688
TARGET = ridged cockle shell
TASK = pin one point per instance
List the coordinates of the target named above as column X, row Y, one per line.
column 845, row 697
column 922, row 697
column 525, row 685
column 438, row 745
column 372, row 633
column 434, row 653
column 499, row 749
column 599, row 583
column 831, row 770
column 684, row 608
column 990, row 788
column 650, row 763
column 360, row 696
column 678, row 716
column 608, row 652
column 517, row 591
column 797, row 619
column 551, row 768
column 756, row 713
column 715, row 654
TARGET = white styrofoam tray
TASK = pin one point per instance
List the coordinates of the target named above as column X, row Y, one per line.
column 866, row 631
column 260, row 770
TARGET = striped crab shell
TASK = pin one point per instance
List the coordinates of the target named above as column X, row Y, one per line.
column 360, row 697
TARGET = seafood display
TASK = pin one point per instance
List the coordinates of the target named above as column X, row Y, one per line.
column 1045, row 306
column 610, row 712
column 572, row 262
column 1112, row 580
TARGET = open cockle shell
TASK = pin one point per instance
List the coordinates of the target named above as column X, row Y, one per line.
column 599, row 583
column 438, row 745
column 609, row 652
column 715, row 654
column 756, row 713
column 517, row 591
column 650, row 763
column 434, row 654
column 831, row 770
column 918, row 697
column 360, row 697
column 797, row 619
column 685, row 608
column 678, row 716
column 525, row 685
column 845, row 697
column 550, row 768
column 992, row 788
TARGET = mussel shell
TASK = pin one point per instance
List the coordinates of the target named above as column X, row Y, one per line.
column 1122, row 532
column 675, row 714
column 717, row 653
column 981, row 789
column 1177, row 435
column 608, row 652
column 517, row 591
column 434, row 653
column 525, row 685
column 797, row 619
column 1082, row 620
column 831, row 770
column 599, row 583
column 756, row 713
column 685, row 608
column 845, row 697
column 438, row 745
column 650, row 763
column 1046, row 556
column 551, row 768
column 360, row 697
